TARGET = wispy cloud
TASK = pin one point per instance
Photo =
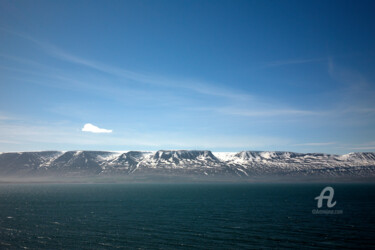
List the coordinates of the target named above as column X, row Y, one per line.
column 6, row 117
column 66, row 136
column 88, row 127
column 197, row 86
column 316, row 144
column 298, row 61
column 9, row 142
column 295, row 61
column 168, row 82
column 261, row 112
column 269, row 112
column 363, row 148
column 346, row 76
column 355, row 95
column 2, row 117
column 359, row 110
column 189, row 84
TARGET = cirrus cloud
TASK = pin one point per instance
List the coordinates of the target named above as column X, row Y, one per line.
column 88, row 127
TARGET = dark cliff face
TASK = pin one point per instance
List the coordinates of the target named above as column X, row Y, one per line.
column 277, row 155
column 124, row 163
column 181, row 155
column 25, row 163
column 365, row 156
column 185, row 162
column 77, row 162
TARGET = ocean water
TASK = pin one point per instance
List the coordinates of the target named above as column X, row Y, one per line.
column 170, row 216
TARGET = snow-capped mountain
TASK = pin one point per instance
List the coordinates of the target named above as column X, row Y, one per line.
column 186, row 163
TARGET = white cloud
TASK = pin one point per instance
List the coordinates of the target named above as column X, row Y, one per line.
column 88, row 127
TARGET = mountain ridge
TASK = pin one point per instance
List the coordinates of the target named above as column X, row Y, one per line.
column 244, row 164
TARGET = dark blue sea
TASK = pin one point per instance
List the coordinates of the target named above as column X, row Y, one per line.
column 184, row 216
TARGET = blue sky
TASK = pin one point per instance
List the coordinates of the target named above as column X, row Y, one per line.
column 219, row 75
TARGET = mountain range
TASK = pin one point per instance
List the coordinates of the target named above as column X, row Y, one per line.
column 245, row 164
